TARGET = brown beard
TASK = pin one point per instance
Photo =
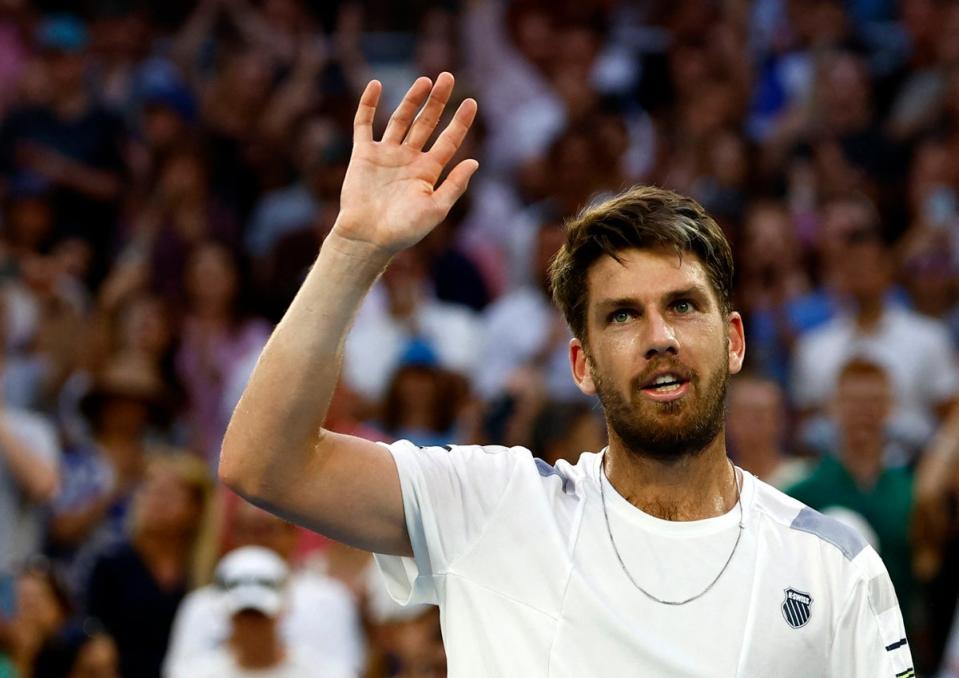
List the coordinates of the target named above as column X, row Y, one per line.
column 672, row 430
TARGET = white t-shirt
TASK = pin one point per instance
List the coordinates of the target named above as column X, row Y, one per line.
column 914, row 349
column 321, row 615
column 518, row 557
column 300, row 662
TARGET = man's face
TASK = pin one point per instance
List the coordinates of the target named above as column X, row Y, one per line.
column 660, row 351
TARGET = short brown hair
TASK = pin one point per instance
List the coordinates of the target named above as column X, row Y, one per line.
column 643, row 217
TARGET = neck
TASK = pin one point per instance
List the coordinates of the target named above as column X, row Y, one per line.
column 261, row 650
column 691, row 488
column 869, row 313
column 157, row 545
column 865, row 464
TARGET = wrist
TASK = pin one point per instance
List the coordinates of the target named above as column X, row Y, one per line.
column 363, row 252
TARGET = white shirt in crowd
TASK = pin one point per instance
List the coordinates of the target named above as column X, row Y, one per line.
column 505, row 350
column 377, row 341
column 321, row 615
column 517, row 555
column 21, row 520
column 915, row 350
column 300, row 662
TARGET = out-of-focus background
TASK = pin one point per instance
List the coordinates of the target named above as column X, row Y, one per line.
column 168, row 171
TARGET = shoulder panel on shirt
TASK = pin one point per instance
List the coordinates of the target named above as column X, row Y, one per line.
column 795, row 515
column 843, row 537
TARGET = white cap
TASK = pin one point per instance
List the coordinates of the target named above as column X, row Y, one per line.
column 252, row 578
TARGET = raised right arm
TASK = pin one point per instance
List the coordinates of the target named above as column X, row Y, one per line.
column 275, row 452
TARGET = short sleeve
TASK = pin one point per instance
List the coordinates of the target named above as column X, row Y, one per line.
column 450, row 495
column 36, row 433
column 870, row 639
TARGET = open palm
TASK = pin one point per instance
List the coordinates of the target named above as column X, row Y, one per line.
column 390, row 197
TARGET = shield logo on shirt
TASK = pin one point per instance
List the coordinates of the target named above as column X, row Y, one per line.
column 795, row 608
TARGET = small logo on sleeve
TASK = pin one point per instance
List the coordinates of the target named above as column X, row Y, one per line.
column 795, row 608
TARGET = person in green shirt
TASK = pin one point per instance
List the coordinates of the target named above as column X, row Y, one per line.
column 855, row 478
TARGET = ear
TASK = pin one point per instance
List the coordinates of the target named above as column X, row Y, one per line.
column 737, row 342
column 579, row 364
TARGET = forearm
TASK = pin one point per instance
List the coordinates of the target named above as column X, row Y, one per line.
column 277, row 424
column 37, row 478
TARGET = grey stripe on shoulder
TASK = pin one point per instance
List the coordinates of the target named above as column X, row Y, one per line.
column 545, row 470
column 843, row 537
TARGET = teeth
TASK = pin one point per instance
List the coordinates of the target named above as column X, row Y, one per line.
column 665, row 379
column 669, row 388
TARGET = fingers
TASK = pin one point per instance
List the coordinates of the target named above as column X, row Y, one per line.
column 366, row 111
column 455, row 184
column 403, row 115
column 426, row 121
column 452, row 137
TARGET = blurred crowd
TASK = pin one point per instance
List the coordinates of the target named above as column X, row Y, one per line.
column 169, row 170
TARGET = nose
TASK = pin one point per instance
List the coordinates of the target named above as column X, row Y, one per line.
column 659, row 336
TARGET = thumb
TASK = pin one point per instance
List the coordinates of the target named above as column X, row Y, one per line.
column 455, row 184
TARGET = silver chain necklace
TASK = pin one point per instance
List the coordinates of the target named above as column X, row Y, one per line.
column 609, row 531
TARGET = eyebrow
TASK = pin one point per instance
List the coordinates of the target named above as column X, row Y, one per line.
column 697, row 292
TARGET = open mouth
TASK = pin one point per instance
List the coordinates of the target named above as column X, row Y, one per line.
column 666, row 386
column 665, row 383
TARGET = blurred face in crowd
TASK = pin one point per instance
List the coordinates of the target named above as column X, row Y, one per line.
column 655, row 316
column 253, row 629
column 246, row 81
column 866, row 274
column 845, row 94
column 146, row 327
column 211, row 277
column 769, row 240
column 162, row 126
column 755, row 418
column 98, row 658
column 862, row 404
column 29, row 222
column 255, row 527
column 165, row 502
column 65, row 71
column 183, row 177
column 122, row 417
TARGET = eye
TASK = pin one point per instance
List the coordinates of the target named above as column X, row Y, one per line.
column 683, row 306
column 620, row 316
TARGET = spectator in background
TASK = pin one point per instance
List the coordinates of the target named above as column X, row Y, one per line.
column 774, row 290
column 319, row 612
column 320, row 153
column 566, row 430
column 542, row 346
column 405, row 641
column 756, row 430
column 137, row 585
column 43, row 609
column 102, row 472
column 254, row 591
column 70, row 141
column 181, row 213
column 401, row 312
column 856, row 477
column 422, row 400
column 80, row 650
column 218, row 333
column 925, row 375
column 30, row 468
